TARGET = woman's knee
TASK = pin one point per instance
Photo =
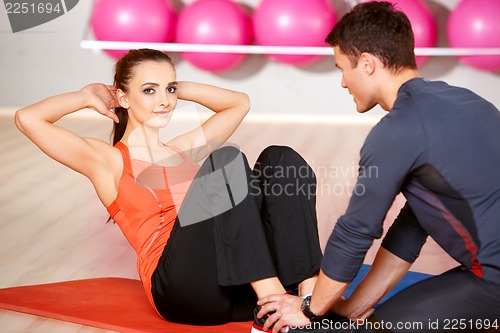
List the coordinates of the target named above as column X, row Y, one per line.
column 226, row 153
column 275, row 152
column 284, row 157
column 227, row 158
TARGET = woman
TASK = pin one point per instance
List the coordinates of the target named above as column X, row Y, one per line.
column 208, row 267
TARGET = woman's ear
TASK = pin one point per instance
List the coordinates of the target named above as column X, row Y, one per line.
column 122, row 99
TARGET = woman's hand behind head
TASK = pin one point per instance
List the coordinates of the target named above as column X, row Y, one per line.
column 101, row 98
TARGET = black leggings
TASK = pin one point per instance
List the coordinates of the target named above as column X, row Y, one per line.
column 203, row 275
column 456, row 301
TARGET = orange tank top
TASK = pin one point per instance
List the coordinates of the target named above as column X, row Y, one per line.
column 146, row 207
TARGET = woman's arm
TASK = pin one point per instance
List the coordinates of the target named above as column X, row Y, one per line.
column 80, row 154
column 230, row 108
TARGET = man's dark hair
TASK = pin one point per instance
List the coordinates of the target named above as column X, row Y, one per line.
column 377, row 28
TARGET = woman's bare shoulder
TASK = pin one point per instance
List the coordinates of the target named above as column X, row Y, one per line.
column 108, row 173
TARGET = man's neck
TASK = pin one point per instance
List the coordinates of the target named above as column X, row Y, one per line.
column 391, row 84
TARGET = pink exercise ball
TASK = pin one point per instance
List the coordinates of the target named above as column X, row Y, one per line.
column 476, row 24
column 133, row 21
column 422, row 22
column 293, row 23
column 214, row 22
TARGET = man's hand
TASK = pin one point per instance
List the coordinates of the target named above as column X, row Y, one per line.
column 287, row 312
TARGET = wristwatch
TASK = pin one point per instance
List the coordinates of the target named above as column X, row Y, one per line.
column 306, row 310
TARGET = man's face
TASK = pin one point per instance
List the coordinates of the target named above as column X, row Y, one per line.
column 356, row 80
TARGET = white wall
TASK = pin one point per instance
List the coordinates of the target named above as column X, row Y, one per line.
column 47, row 60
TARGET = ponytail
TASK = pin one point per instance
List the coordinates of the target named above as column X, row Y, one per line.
column 119, row 128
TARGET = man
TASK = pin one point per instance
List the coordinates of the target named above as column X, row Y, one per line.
column 440, row 146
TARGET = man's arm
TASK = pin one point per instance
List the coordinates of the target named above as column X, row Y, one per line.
column 386, row 271
column 326, row 293
column 400, row 248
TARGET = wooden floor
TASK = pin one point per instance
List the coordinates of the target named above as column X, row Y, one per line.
column 53, row 228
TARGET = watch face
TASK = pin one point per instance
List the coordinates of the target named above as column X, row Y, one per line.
column 304, row 305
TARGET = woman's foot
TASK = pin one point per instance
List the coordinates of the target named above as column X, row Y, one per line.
column 258, row 323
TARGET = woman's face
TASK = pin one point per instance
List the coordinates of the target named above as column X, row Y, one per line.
column 151, row 97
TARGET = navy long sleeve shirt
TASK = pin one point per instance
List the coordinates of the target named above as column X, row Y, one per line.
column 440, row 147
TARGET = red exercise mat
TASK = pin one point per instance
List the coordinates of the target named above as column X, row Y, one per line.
column 116, row 304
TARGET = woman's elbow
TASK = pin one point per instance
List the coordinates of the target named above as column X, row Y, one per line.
column 245, row 103
column 20, row 119
column 25, row 120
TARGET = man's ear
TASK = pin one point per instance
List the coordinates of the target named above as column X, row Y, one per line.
column 122, row 98
column 368, row 62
